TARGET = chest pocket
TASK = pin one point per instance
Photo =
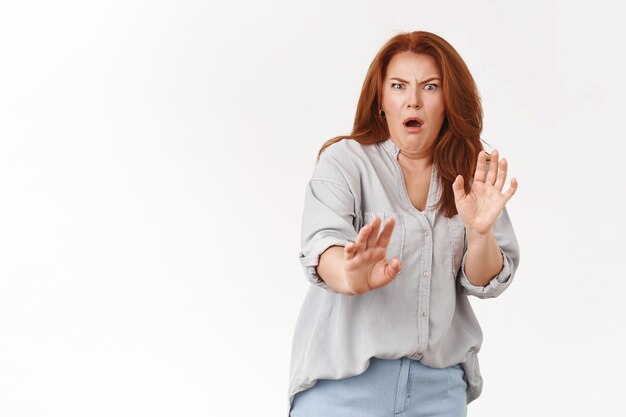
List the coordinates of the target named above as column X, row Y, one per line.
column 395, row 248
column 457, row 242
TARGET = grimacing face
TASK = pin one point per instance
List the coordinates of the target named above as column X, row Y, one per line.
column 412, row 88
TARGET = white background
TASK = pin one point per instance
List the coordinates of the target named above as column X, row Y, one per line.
column 153, row 161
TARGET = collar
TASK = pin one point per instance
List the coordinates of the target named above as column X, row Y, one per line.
column 391, row 148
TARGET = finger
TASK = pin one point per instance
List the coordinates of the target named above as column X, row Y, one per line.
column 393, row 268
column 373, row 236
column 361, row 239
column 458, row 188
column 509, row 193
column 349, row 251
column 385, row 235
column 502, row 169
column 481, row 167
column 493, row 168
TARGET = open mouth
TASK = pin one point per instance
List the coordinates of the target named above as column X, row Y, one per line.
column 413, row 123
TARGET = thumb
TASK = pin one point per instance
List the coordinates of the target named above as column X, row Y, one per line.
column 393, row 268
column 458, row 188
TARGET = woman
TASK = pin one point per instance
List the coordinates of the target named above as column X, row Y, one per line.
column 395, row 240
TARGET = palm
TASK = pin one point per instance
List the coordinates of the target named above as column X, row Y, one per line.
column 480, row 208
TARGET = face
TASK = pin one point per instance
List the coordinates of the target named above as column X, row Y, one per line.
column 412, row 88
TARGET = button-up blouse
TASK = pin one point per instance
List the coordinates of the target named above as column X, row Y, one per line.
column 424, row 313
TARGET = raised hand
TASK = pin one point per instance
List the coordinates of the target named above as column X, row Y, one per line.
column 366, row 265
column 480, row 208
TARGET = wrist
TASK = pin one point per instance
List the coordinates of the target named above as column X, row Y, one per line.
column 477, row 235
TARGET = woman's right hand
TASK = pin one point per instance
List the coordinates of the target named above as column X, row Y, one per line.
column 366, row 265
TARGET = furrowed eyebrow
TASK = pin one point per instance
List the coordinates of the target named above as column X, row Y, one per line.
column 408, row 82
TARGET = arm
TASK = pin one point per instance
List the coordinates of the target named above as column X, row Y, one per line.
column 508, row 251
column 334, row 256
column 492, row 253
column 332, row 269
column 328, row 224
column 484, row 260
column 326, row 229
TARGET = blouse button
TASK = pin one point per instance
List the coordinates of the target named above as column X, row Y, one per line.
column 425, row 273
column 427, row 233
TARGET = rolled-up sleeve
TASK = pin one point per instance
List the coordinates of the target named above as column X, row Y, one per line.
column 328, row 217
column 509, row 249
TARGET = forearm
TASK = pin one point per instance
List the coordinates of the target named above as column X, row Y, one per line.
column 332, row 270
column 483, row 260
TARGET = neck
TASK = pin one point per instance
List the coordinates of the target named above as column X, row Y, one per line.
column 415, row 161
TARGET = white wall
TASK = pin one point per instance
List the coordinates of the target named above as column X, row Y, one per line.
column 153, row 160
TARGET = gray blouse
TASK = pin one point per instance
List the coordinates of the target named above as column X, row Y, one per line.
column 424, row 313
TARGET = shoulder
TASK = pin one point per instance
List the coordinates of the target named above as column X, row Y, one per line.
column 343, row 161
column 347, row 150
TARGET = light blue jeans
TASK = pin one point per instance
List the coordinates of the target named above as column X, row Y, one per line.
column 400, row 387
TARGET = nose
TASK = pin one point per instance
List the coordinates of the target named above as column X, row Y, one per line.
column 415, row 99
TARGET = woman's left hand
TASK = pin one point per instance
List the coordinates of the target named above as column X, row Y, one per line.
column 480, row 208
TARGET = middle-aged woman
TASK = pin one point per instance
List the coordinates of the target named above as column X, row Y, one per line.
column 403, row 220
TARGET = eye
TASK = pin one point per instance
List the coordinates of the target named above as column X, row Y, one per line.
column 393, row 85
column 432, row 85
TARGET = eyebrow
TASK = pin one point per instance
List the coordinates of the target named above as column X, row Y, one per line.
column 408, row 82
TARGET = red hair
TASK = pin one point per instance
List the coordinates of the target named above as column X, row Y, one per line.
column 458, row 143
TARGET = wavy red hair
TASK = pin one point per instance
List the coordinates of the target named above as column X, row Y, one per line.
column 458, row 143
